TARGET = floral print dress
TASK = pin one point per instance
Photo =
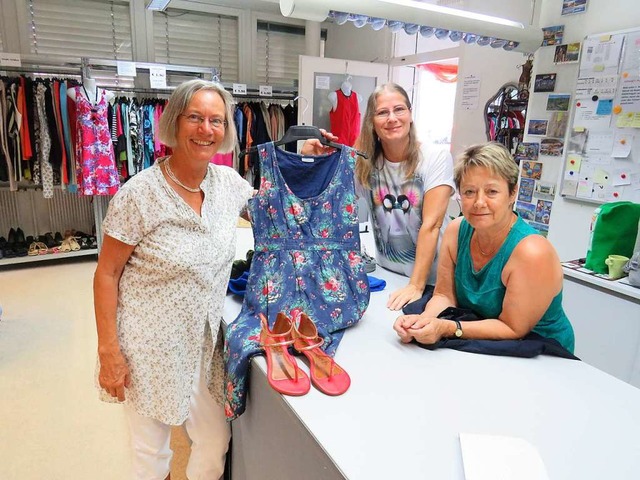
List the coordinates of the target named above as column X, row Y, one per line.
column 95, row 161
column 307, row 256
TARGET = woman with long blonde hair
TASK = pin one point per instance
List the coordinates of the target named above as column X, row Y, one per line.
column 407, row 185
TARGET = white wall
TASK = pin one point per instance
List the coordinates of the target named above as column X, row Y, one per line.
column 364, row 44
column 570, row 220
column 494, row 67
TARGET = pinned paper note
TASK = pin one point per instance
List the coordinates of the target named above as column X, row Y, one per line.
column 585, row 189
column 621, row 177
column 601, row 177
column 572, row 168
column 622, row 143
column 569, row 187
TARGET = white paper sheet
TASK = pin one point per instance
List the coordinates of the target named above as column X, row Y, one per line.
column 497, row 457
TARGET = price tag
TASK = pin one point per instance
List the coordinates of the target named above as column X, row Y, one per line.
column 158, row 77
column 127, row 69
column 239, row 88
column 10, row 59
column 266, row 91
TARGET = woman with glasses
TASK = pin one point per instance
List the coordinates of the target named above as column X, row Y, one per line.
column 407, row 185
column 159, row 287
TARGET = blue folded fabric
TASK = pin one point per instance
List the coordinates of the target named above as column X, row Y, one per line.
column 239, row 285
column 376, row 284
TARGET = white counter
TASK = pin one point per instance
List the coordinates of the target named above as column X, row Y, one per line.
column 406, row 407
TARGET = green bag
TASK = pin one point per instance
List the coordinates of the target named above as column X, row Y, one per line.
column 614, row 227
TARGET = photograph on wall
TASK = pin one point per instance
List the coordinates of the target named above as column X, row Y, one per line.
column 537, row 127
column 577, row 140
column 543, row 211
column 571, row 7
column 525, row 191
column 552, row 35
column 541, row 228
column 560, row 55
column 526, row 151
column 545, row 188
column 573, row 52
column 558, row 102
column 526, row 211
column 545, row 82
column 551, row 147
column 558, row 124
column 531, row 169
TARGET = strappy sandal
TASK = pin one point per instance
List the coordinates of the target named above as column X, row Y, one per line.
column 326, row 375
column 283, row 373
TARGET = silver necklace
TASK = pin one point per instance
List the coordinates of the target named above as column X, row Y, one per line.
column 487, row 254
column 173, row 177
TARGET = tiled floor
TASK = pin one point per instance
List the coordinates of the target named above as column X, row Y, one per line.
column 51, row 423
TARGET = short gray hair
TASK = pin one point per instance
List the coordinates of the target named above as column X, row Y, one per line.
column 493, row 156
column 179, row 101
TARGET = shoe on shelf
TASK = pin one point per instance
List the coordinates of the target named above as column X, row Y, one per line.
column 283, row 373
column 58, row 238
column 326, row 375
column 20, row 236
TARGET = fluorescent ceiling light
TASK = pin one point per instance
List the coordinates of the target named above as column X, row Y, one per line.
column 455, row 12
column 158, row 5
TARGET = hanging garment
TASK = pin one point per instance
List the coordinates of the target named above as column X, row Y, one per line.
column 97, row 173
column 307, row 256
column 46, row 169
column 345, row 120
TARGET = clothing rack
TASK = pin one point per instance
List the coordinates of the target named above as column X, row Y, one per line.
column 37, row 215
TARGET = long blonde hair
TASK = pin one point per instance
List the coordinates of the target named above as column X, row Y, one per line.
column 369, row 143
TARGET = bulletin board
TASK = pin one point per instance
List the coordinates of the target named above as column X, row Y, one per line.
column 602, row 152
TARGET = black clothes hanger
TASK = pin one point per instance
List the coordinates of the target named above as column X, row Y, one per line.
column 302, row 132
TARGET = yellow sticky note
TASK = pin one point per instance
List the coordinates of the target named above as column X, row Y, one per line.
column 605, row 38
column 598, row 68
column 601, row 176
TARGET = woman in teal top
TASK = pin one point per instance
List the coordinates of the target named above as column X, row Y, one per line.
column 493, row 263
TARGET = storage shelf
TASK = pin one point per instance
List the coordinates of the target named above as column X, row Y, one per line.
column 47, row 257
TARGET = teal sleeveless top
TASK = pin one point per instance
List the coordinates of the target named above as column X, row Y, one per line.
column 483, row 291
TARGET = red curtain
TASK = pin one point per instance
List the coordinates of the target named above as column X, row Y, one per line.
column 445, row 73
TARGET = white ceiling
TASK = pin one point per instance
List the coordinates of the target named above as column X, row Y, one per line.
column 272, row 6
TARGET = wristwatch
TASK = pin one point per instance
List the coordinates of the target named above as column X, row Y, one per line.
column 458, row 332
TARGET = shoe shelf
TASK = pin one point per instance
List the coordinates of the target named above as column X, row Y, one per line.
column 46, row 257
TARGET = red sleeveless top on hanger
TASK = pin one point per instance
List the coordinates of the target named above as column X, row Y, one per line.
column 345, row 120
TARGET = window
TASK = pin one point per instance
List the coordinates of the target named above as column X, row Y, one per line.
column 201, row 39
column 80, row 28
column 277, row 53
column 434, row 108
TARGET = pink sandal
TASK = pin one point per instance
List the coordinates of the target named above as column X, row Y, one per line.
column 283, row 373
column 326, row 375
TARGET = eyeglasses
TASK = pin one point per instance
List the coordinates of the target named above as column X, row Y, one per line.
column 399, row 111
column 195, row 119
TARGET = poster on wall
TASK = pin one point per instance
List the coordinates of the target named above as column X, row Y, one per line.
column 551, row 147
column 526, row 151
column 567, row 53
column 571, row 7
column 558, row 102
column 558, row 124
column 531, row 169
column 552, row 35
column 545, row 82
column 525, row 192
column 537, row 127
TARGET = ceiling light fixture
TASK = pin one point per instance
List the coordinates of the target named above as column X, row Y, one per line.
column 158, row 5
column 430, row 7
column 430, row 18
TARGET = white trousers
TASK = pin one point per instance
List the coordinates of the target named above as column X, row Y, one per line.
column 206, row 426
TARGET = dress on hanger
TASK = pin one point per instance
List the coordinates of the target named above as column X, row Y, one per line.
column 96, row 169
column 307, row 256
column 345, row 120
